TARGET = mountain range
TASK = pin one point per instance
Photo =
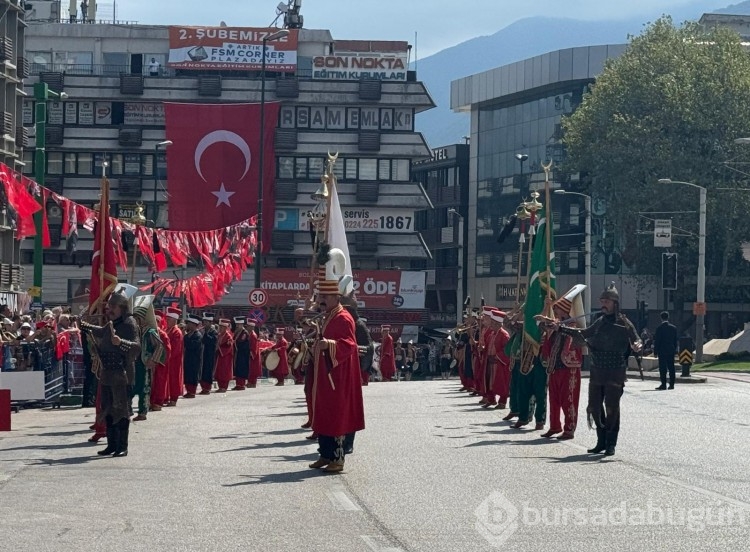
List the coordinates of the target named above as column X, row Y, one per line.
column 523, row 39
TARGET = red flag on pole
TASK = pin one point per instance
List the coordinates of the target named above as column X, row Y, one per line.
column 213, row 164
column 103, row 265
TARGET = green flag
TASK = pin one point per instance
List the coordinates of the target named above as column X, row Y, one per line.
column 539, row 282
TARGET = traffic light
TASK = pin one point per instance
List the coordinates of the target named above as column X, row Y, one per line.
column 669, row 271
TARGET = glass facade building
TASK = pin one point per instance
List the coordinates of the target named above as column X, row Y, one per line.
column 516, row 114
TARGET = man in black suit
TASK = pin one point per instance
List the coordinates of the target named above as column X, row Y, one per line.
column 665, row 347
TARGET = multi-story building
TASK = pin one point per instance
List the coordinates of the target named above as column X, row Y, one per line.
column 445, row 177
column 14, row 69
column 114, row 111
column 516, row 112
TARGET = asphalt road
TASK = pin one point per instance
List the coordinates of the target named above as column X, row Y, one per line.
column 431, row 472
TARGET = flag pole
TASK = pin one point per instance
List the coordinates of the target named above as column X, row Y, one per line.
column 102, row 233
column 547, row 230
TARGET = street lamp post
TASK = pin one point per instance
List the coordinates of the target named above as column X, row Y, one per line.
column 587, row 247
column 700, row 295
column 521, row 158
column 259, row 219
column 460, row 286
column 165, row 144
column 42, row 94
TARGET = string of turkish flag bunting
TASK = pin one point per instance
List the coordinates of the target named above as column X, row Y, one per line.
column 224, row 252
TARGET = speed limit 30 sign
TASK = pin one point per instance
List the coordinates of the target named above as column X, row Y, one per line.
column 258, row 297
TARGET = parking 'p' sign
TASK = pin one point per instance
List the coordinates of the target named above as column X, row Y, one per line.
column 258, row 297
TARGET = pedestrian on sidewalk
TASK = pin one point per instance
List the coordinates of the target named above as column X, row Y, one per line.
column 665, row 347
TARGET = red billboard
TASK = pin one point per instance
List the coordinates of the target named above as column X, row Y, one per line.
column 375, row 289
column 233, row 48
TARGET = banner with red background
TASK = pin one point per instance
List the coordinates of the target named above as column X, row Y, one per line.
column 375, row 289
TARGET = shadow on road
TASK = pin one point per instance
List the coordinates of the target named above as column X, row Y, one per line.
column 50, row 447
column 259, row 433
column 289, row 477
column 570, row 459
column 261, row 446
column 69, row 461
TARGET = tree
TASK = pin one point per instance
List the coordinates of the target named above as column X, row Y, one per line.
column 670, row 107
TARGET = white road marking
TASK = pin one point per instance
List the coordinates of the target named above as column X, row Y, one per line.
column 340, row 499
column 380, row 544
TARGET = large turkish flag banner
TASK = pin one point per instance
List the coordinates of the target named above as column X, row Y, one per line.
column 212, row 165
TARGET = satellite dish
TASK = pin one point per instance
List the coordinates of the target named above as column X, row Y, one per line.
column 282, row 8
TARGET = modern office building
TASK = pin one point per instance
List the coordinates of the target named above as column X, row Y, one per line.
column 114, row 112
column 15, row 67
column 445, row 177
column 516, row 112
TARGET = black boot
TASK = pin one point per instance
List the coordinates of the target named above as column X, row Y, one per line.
column 122, row 442
column 601, row 442
column 111, row 442
column 611, row 443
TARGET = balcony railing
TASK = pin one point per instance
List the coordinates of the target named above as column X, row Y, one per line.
column 88, row 69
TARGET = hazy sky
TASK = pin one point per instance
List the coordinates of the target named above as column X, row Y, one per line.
column 439, row 23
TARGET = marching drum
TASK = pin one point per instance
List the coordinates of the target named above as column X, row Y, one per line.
column 271, row 359
column 300, row 355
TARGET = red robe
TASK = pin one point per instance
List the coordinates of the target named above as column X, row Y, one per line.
column 224, row 360
column 160, row 384
column 564, row 382
column 480, row 356
column 338, row 410
column 387, row 359
column 282, row 370
column 500, row 377
column 256, row 369
column 174, row 364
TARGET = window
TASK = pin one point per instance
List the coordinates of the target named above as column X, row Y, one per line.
column 115, row 164
column 55, row 162
column 300, row 167
column 114, row 63
column 338, row 170
column 368, row 169
column 85, row 163
column 77, row 63
column 400, row 170
column 132, row 164
column 28, row 159
column 351, row 169
column 147, row 165
column 575, row 215
column 70, row 163
column 384, row 169
column 40, row 61
column 285, row 169
column 317, row 166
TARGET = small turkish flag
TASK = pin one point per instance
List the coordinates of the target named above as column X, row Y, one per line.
column 212, row 165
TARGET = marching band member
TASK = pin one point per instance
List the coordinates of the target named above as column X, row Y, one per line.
column 225, row 356
column 241, row 354
column 256, row 368
column 563, row 358
column 498, row 369
column 607, row 338
column 193, row 359
column 464, row 355
column 387, row 355
column 117, row 344
column 514, row 326
column 480, row 352
column 152, row 352
column 160, row 383
column 210, row 337
column 176, row 356
column 281, row 346
column 338, row 408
